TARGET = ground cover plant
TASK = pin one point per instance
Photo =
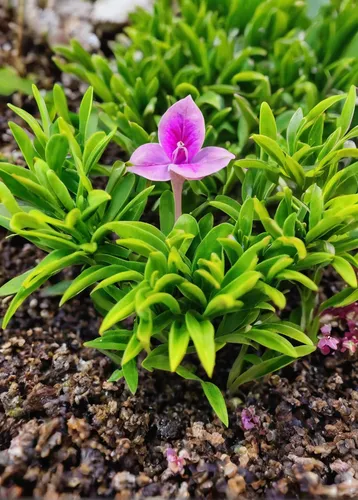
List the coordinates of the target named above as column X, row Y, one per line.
column 189, row 286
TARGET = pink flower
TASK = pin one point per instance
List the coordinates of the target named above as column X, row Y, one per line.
column 249, row 420
column 179, row 155
column 327, row 343
column 326, row 329
column 349, row 343
column 176, row 463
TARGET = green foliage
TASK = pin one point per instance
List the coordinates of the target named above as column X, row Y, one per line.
column 53, row 203
column 11, row 82
column 229, row 55
column 195, row 293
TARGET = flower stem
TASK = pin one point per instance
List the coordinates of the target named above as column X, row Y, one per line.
column 177, row 185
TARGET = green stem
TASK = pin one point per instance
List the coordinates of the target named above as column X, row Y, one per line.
column 177, row 185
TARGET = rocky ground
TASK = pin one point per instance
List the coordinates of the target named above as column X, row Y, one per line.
column 66, row 431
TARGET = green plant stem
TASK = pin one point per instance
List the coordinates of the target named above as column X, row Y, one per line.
column 237, row 367
column 177, row 185
column 308, row 305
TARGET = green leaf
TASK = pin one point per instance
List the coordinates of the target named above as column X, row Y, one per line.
column 95, row 199
column 271, row 148
column 344, row 121
column 291, row 275
column 178, row 344
column 211, row 244
column 85, row 112
column 39, row 275
column 142, row 231
column 14, row 285
column 222, row 304
column 137, row 200
column 45, row 117
column 247, row 261
column 145, row 323
column 60, row 102
column 193, row 293
column 11, row 82
column 32, row 122
column 109, row 342
column 269, row 366
column 292, row 128
column 314, row 259
column 288, row 329
column 246, row 217
column 134, row 347
column 275, row 295
column 24, row 143
column 241, row 285
column 202, row 334
column 94, row 149
column 124, row 308
column 319, row 109
column 316, row 206
column 120, row 193
column 60, row 190
column 216, row 400
column 267, row 122
column 345, row 270
column 88, row 277
column 116, row 375
column 116, row 277
column 56, row 152
column 130, row 373
column 166, row 212
column 160, row 298
column 226, row 208
column 341, row 299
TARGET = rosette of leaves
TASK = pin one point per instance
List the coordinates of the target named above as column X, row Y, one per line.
column 195, row 289
column 306, row 186
column 316, row 149
column 53, row 202
column 230, row 56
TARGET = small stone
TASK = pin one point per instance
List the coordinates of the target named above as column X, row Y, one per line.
column 33, row 303
column 123, row 480
column 235, row 486
column 230, row 470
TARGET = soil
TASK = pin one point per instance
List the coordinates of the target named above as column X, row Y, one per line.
column 67, row 432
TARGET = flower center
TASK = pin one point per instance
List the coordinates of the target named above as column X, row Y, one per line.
column 180, row 154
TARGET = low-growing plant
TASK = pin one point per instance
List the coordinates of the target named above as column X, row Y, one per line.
column 190, row 287
column 53, row 203
column 229, row 55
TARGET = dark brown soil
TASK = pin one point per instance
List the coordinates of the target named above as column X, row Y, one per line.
column 66, row 431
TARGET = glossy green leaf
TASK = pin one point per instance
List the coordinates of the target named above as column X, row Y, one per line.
column 202, row 334
column 216, row 400
column 178, row 343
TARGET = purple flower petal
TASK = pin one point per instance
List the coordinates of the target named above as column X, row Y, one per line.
column 249, row 419
column 151, row 162
column 207, row 161
column 182, row 125
column 326, row 329
column 327, row 343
